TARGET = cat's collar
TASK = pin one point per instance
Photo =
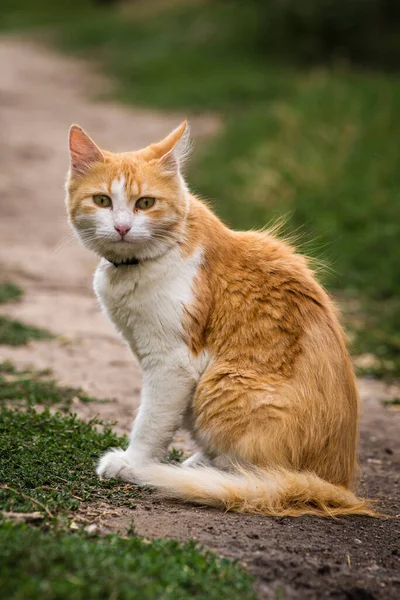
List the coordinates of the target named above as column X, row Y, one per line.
column 126, row 262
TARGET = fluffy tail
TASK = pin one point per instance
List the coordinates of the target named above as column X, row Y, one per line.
column 271, row 493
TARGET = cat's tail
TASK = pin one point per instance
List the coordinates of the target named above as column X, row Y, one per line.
column 271, row 493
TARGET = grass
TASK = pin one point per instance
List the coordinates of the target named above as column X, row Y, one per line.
column 317, row 144
column 12, row 332
column 175, row 456
column 10, row 292
column 15, row 333
column 377, row 331
column 47, row 464
column 392, row 402
column 28, row 388
column 34, row 565
column 51, row 459
column 47, row 461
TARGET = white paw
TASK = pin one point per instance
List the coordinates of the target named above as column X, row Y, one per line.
column 198, row 459
column 115, row 464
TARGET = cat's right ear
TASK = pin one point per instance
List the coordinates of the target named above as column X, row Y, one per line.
column 84, row 152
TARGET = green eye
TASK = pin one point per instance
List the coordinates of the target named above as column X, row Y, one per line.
column 145, row 202
column 102, row 200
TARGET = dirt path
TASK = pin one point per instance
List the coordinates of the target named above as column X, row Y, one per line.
column 41, row 94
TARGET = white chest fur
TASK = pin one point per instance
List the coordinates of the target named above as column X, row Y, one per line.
column 145, row 302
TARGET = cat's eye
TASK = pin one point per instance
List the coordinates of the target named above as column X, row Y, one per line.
column 145, row 202
column 102, row 200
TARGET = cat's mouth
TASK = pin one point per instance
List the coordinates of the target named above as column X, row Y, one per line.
column 123, row 241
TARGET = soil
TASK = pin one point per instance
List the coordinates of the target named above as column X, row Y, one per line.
column 41, row 94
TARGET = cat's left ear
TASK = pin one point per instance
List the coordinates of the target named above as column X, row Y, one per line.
column 174, row 149
column 83, row 150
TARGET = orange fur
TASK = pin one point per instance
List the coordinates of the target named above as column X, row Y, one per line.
column 279, row 394
column 281, row 389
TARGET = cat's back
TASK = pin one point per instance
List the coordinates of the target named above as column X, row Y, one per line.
column 264, row 295
column 257, row 270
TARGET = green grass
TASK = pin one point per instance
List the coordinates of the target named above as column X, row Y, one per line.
column 175, row 456
column 392, row 402
column 378, row 331
column 47, row 465
column 15, row 333
column 12, row 332
column 10, row 292
column 317, row 144
column 51, row 459
column 29, row 388
column 47, row 566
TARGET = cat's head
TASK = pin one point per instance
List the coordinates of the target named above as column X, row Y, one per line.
column 128, row 205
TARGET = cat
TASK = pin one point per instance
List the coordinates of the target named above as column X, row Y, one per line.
column 237, row 342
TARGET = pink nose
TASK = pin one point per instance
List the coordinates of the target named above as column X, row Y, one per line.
column 122, row 229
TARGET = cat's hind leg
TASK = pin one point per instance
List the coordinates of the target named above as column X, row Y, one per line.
column 243, row 418
column 198, row 459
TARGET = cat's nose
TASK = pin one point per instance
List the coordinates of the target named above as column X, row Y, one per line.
column 122, row 229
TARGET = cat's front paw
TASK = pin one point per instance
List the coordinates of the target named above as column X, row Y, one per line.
column 115, row 464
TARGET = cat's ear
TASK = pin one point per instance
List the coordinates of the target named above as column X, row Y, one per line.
column 84, row 152
column 173, row 150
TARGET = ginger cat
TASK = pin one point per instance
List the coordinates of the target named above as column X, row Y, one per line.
column 237, row 342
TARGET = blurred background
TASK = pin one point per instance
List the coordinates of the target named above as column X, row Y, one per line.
column 307, row 94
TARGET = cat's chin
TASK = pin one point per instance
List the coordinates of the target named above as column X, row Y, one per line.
column 134, row 254
column 120, row 250
column 144, row 251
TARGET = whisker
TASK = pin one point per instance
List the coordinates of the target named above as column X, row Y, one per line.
column 66, row 242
